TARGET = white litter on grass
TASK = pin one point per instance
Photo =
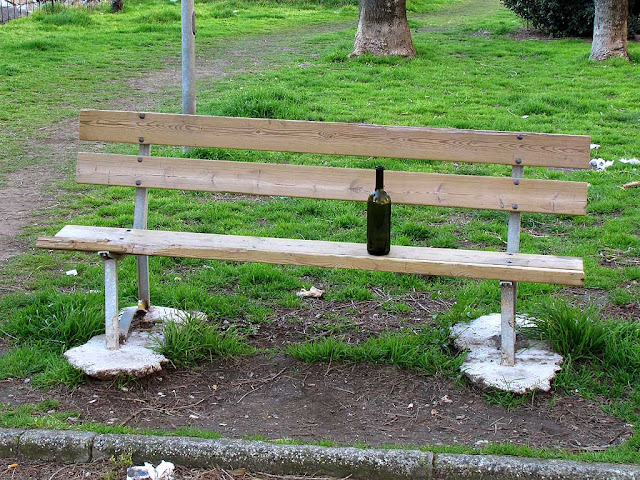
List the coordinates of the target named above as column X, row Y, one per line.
column 525, row 116
column 600, row 164
column 630, row 161
column 595, row 146
column 312, row 292
column 72, row 273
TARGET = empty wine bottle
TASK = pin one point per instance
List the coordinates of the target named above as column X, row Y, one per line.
column 379, row 218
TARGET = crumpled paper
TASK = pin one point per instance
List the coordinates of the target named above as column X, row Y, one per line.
column 313, row 292
column 600, row 164
column 164, row 471
column 630, row 161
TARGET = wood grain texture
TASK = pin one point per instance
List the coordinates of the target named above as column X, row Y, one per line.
column 465, row 191
column 474, row 146
column 419, row 260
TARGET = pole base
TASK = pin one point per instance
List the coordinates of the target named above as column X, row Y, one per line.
column 536, row 363
column 136, row 356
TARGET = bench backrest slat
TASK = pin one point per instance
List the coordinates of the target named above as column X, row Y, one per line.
column 465, row 191
column 508, row 148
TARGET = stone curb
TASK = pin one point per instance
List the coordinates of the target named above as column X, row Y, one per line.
column 270, row 458
column 467, row 467
column 370, row 464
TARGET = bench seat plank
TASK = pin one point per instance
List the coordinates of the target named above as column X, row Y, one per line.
column 403, row 259
column 355, row 184
column 422, row 143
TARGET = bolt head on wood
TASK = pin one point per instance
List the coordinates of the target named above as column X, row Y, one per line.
column 141, row 139
column 520, row 137
column 518, row 161
column 139, row 159
column 143, row 115
column 514, row 206
column 138, row 182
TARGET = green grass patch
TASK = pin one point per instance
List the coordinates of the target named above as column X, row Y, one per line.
column 59, row 321
column 425, row 352
column 64, row 16
column 188, row 342
column 41, row 415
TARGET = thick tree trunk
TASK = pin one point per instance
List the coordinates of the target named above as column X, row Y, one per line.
column 610, row 30
column 116, row 5
column 383, row 29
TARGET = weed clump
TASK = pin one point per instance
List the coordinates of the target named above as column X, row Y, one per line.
column 64, row 16
column 263, row 102
column 193, row 340
column 602, row 356
column 56, row 321
column 425, row 351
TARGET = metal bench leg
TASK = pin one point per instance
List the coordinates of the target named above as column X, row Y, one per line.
column 140, row 216
column 112, row 325
column 509, row 291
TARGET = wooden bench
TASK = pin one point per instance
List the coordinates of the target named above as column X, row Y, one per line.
column 513, row 194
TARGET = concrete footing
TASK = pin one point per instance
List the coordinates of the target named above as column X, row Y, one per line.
column 354, row 463
column 136, row 356
column 536, row 363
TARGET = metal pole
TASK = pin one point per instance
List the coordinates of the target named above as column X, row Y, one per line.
column 111, row 321
column 140, row 216
column 188, row 58
column 509, row 290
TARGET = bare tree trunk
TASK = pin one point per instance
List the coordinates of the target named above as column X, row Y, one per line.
column 610, row 30
column 117, row 5
column 383, row 29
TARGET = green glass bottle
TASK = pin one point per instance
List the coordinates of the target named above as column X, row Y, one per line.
column 379, row 218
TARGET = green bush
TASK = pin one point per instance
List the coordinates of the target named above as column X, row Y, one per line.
column 562, row 18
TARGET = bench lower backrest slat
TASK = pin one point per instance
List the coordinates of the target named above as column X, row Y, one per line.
column 465, row 191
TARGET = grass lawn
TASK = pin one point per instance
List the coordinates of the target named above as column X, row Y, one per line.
column 470, row 72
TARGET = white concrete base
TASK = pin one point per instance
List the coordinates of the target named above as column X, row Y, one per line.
column 536, row 364
column 135, row 357
column 162, row 315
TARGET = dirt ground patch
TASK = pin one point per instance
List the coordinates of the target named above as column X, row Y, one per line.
column 279, row 397
column 274, row 396
column 353, row 321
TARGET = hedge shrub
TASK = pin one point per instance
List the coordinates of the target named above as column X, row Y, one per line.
column 566, row 18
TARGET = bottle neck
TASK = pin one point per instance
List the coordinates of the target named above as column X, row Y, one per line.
column 379, row 178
